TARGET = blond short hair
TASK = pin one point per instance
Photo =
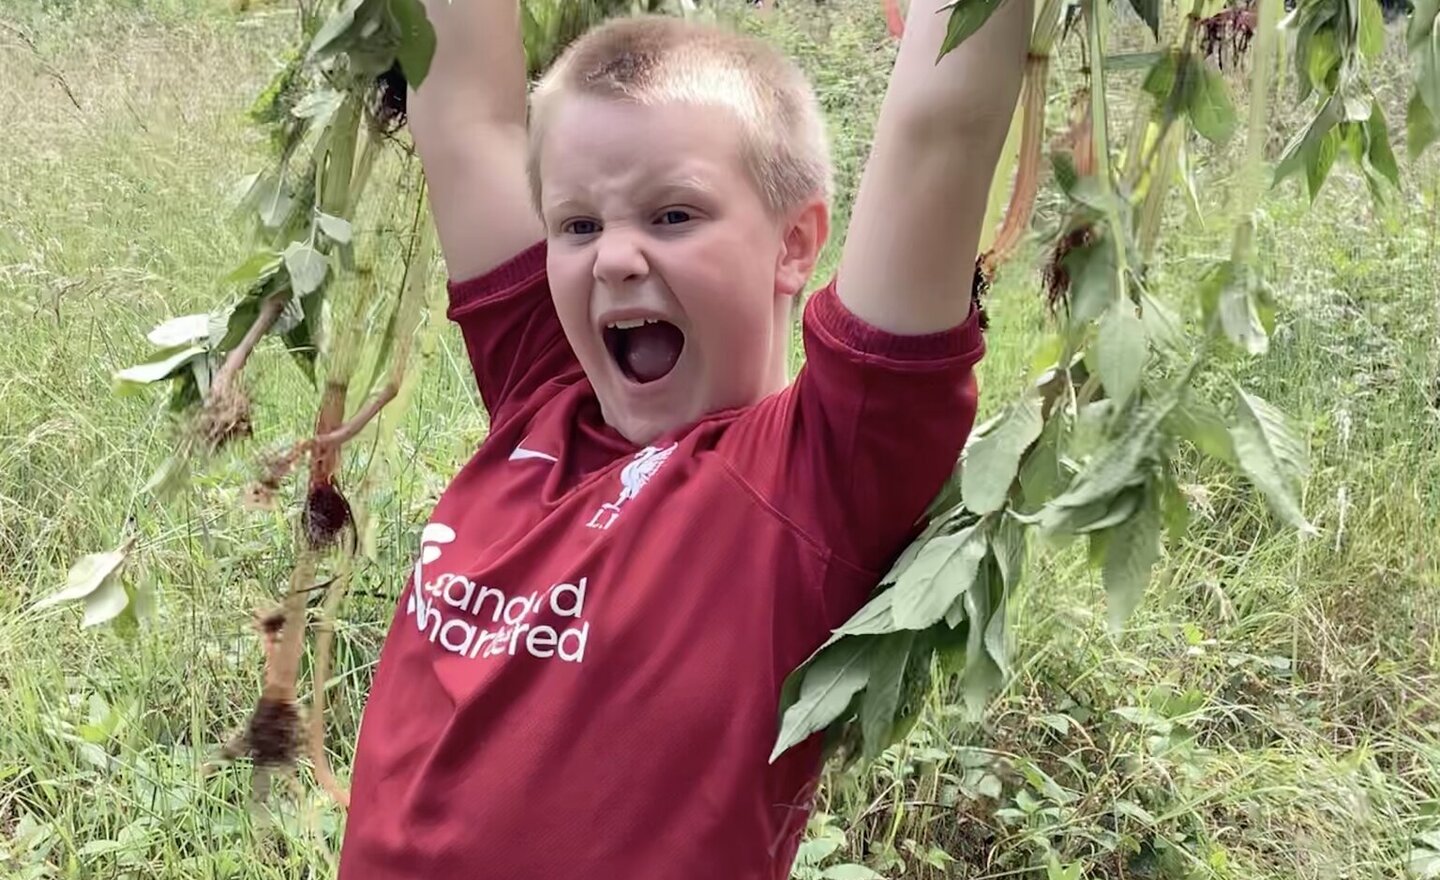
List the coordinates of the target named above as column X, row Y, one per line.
column 652, row 60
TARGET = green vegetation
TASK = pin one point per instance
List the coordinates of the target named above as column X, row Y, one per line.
column 1272, row 710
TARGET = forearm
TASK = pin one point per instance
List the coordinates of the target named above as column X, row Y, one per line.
column 478, row 73
column 972, row 91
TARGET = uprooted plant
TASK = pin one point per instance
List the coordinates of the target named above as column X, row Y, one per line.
column 1088, row 451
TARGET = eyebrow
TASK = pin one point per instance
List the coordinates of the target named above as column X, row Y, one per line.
column 665, row 190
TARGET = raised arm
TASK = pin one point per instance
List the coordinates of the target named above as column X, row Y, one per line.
column 910, row 251
column 468, row 121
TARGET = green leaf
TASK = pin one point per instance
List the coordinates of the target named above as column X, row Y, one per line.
column 982, row 672
column 1322, row 161
column 1120, row 351
column 337, row 229
column 1149, row 12
column 1116, row 465
column 417, row 40
column 1130, row 553
column 1008, row 545
column 1420, row 127
column 1211, row 110
column 876, row 618
column 274, row 202
column 943, row 571
column 825, row 691
column 1160, row 78
column 1094, row 281
column 992, row 460
column 1174, row 508
column 882, row 692
column 1245, row 310
column 1426, row 58
column 1372, row 29
column 1043, row 474
column 184, row 330
column 966, row 17
column 1304, row 149
column 1270, row 455
column 1381, row 157
column 93, row 580
column 257, row 268
column 1201, row 423
column 1322, row 56
column 849, row 872
column 162, row 365
column 307, row 268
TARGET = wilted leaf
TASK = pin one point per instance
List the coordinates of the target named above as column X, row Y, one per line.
column 1211, row 110
column 882, row 692
column 336, row 228
column 318, row 106
column 825, row 691
column 966, row 17
column 1130, row 553
column 1243, row 306
column 943, row 571
column 1174, row 508
column 94, row 580
column 1043, row 474
column 307, row 267
column 417, row 40
column 1270, row 455
column 335, row 27
column 1120, row 351
column 992, row 460
column 162, row 365
column 184, row 330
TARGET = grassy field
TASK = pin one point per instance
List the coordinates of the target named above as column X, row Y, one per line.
column 1272, row 711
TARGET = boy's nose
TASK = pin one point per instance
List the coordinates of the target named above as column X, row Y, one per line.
column 619, row 259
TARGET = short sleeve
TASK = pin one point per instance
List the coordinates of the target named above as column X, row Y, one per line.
column 863, row 439
column 511, row 331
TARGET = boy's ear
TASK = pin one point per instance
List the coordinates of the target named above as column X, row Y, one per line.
column 805, row 232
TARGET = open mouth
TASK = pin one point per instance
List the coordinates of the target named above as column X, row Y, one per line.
column 645, row 349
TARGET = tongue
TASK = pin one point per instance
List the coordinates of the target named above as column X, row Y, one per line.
column 652, row 350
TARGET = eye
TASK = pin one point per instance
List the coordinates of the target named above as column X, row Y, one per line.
column 673, row 216
column 580, row 226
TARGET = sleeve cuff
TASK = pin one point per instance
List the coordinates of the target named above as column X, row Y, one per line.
column 519, row 273
column 827, row 315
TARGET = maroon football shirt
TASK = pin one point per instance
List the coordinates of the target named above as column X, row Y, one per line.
column 583, row 672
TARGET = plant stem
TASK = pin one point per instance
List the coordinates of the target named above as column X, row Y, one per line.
column 235, row 360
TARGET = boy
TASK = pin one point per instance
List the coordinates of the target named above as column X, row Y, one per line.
column 582, row 677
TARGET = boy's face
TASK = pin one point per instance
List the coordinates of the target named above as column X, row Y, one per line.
column 671, row 279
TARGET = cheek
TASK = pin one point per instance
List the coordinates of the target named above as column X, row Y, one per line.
column 569, row 279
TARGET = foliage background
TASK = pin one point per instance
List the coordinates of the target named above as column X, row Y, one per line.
column 1272, row 711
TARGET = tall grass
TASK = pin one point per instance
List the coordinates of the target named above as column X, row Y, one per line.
column 1272, row 711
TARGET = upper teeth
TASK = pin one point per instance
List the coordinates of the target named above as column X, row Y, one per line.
column 632, row 323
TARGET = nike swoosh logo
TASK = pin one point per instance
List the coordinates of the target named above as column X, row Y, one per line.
column 521, row 453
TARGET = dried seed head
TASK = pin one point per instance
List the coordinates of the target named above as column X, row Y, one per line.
column 326, row 513
column 1057, row 274
column 980, row 288
column 274, row 733
column 389, row 99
